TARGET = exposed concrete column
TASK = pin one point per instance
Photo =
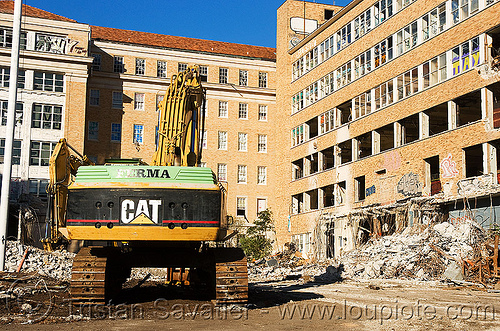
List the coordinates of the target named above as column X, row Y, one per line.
column 336, row 155
column 423, row 123
column 355, row 149
column 321, row 198
column 321, row 162
column 492, row 159
column 398, row 138
column 375, row 142
column 486, row 158
column 487, row 106
column 306, row 167
column 452, row 115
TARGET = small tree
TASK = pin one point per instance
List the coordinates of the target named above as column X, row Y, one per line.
column 255, row 243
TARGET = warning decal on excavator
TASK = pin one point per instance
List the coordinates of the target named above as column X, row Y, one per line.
column 140, row 211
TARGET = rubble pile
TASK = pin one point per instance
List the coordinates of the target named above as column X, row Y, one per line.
column 437, row 252
column 55, row 264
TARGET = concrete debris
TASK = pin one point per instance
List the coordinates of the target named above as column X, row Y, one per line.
column 55, row 264
column 435, row 253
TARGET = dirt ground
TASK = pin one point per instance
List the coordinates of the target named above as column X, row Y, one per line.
column 279, row 305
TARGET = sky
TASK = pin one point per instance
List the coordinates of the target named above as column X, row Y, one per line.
column 251, row 22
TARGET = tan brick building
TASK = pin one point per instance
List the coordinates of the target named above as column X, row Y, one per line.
column 382, row 101
column 51, row 97
column 130, row 75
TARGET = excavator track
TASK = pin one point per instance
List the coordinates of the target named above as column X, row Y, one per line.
column 231, row 276
column 88, row 277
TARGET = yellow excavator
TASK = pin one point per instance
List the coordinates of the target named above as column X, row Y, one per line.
column 128, row 214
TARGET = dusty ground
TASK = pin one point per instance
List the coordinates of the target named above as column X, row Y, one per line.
column 284, row 305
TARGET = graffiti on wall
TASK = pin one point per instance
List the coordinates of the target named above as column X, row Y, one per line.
column 409, row 185
column 476, row 184
column 370, row 190
column 448, row 168
column 58, row 45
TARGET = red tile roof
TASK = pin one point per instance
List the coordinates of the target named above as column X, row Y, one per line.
column 8, row 8
column 182, row 43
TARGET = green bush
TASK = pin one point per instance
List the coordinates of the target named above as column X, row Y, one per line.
column 255, row 242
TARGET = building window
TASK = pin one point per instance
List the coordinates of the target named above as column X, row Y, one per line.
column 241, row 206
column 181, row 67
column 203, row 73
column 261, row 205
column 5, row 76
column 261, row 175
column 139, row 101
column 243, row 111
column 159, row 98
column 242, row 142
column 223, row 109
column 94, row 97
column 222, row 172
column 161, row 69
column 242, row 174
column 262, row 113
column 96, row 62
column 243, row 81
column 360, row 188
column 116, row 132
column 223, row 73
column 45, row 81
column 40, row 152
column 19, row 112
column 204, row 140
column 38, row 187
column 117, row 100
column 262, row 145
column 6, row 38
column 203, row 165
column 16, row 151
column 93, row 130
column 46, row 117
column 262, row 79
column 118, row 65
column 140, row 67
column 222, row 141
column 138, row 133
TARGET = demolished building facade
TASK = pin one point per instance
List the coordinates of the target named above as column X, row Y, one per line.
column 390, row 115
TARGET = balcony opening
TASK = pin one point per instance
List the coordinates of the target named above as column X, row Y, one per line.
column 409, row 129
column 345, row 151
column 312, row 196
column 360, row 188
column 438, row 119
column 474, row 161
column 364, row 145
column 328, row 196
column 313, row 127
column 345, row 112
column 432, row 173
column 297, row 169
column 328, row 158
column 468, row 108
column 386, row 137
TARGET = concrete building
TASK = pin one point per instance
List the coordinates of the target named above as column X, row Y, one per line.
column 384, row 102
column 54, row 63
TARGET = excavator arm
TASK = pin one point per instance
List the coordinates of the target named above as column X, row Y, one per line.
column 62, row 166
column 181, row 121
